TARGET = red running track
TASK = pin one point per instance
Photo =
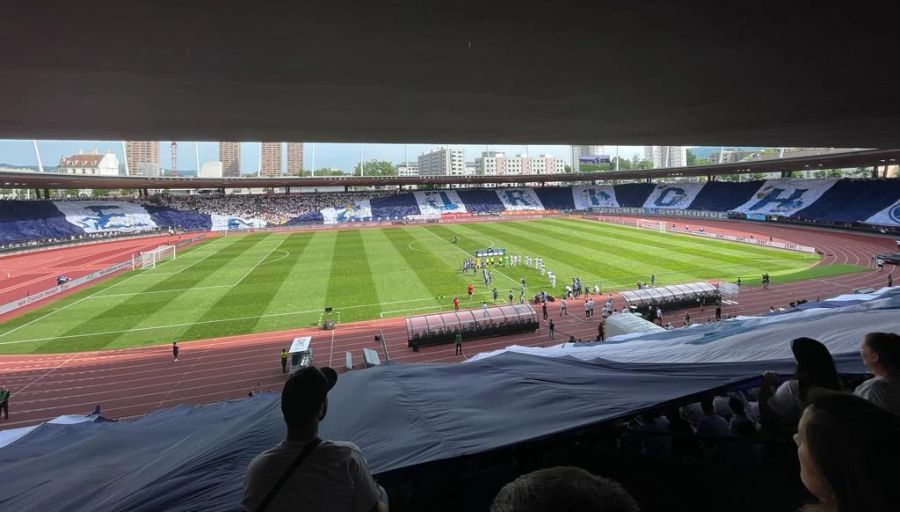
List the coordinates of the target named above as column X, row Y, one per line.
column 26, row 273
column 135, row 381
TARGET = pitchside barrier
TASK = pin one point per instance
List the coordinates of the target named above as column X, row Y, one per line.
column 78, row 281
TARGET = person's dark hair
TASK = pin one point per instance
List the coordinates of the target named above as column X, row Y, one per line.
column 736, row 405
column 855, row 445
column 887, row 346
column 815, row 367
column 563, row 489
column 304, row 393
column 707, row 405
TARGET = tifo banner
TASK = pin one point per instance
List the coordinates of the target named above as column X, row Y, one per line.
column 228, row 223
column 590, row 196
column 439, row 202
column 676, row 196
column 785, row 197
column 519, row 199
column 890, row 216
column 97, row 216
column 354, row 212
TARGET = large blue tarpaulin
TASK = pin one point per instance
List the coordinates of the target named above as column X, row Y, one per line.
column 402, row 415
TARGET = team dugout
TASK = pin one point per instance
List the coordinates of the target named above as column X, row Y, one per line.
column 437, row 329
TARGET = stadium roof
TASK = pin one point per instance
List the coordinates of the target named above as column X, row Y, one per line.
column 714, row 73
column 25, row 179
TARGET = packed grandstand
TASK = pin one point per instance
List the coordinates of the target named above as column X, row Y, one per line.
column 701, row 414
column 831, row 201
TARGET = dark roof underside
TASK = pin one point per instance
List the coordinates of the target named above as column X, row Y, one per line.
column 706, row 73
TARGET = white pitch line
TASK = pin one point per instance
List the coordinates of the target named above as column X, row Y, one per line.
column 259, row 262
column 75, row 302
column 51, row 370
column 163, row 291
column 150, row 328
column 469, row 254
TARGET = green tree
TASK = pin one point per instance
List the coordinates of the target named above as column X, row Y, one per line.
column 568, row 168
column 324, row 171
column 642, row 165
column 376, row 168
column 99, row 192
column 691, row 158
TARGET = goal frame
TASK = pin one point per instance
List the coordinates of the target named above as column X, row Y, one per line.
column 147, row 260
column 651, row 224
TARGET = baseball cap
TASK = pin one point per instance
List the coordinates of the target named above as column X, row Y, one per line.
column 305, row 391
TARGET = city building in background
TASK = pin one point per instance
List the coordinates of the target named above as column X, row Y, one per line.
column 91, row 163
column 408, row 169
column 270, row 159
column 579, row 152
column 230, row 156
column 496, row 163
column 666, row 156
column 294, row 157
column 142, row 157
column 442, row 162
column 211, row 169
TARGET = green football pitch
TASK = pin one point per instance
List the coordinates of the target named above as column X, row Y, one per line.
column 267, row 281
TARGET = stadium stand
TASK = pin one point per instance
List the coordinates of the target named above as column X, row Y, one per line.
column 844, row 201
column 481, row 201
column 819, row 201
column 21, row 221
column 721, row 196
column 187, row 220
column 393, row 207
column 633, row 195
column 556, row 198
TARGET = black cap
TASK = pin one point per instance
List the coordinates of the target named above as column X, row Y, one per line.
column 305, row 391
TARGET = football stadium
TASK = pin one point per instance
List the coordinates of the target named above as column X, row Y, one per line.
column 710, row 327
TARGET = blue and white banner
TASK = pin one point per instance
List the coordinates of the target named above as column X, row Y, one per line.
column 228, row 223
column 785, row 197
column 354, row 212
column 675, row 196
column 890, row 216
column 432, row 203
column 594, row 196
column 97, row 216
column 517, row 199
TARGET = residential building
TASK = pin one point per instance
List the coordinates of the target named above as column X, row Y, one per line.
column 547, row 164
column 582, row 151
column 666, row 156
column 408, row 169
column 230, row 156
column 142, row 157
column 92, row 163
column 294, row 158
column 496, row 163
column 270, row 159
column 442, row 162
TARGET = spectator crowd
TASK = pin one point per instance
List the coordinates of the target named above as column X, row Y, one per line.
column 272, row 208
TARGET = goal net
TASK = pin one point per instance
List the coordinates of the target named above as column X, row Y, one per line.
column 149, row 259
column 651, row 224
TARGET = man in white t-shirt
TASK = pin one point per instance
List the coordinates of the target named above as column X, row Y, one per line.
column 880, row 353
column 314, row 474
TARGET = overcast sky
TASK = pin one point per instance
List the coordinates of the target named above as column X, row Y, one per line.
column 341, row 155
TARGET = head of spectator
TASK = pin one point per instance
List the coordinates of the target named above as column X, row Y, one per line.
column 737, row 406
column 709, row 409
column 815, row 366
column 563, row 489
column 848, row 450
column 880, row 353
column 304, row 401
